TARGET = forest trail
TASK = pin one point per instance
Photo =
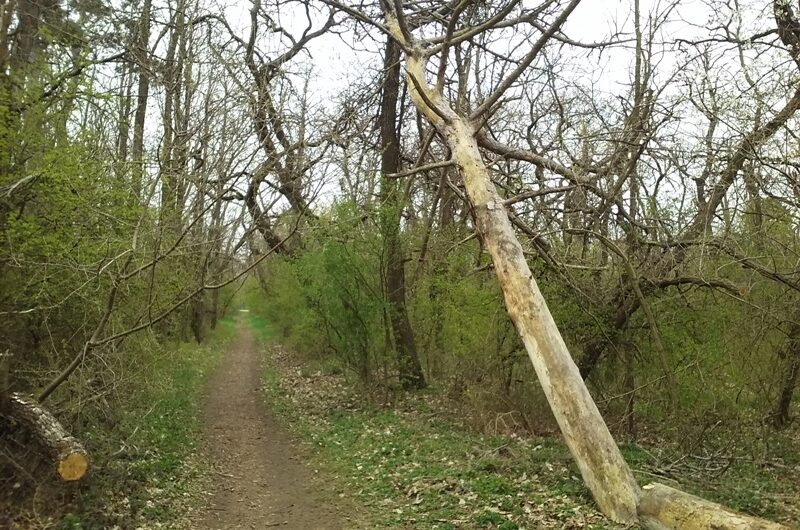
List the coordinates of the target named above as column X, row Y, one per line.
column 259, row 480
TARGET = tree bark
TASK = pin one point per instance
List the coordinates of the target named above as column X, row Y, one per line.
column 5, row 381
column 27, row 42
column 123, row 136
column 170, row 170
column 260, row 218
column 601, row 464
column 142, row 92
column 411, row 375
column 665, row 508
column 70, row 457
column 782, row 416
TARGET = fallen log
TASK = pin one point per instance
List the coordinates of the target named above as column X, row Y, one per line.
column 664, row 508
column 69, row 455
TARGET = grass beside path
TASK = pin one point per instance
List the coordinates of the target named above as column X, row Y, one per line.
column 410, row 469
column 147, row 472
column 413, row 466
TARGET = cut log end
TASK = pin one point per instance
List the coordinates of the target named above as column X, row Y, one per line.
column 69, row 456
column 665, row 508
column 73, row 466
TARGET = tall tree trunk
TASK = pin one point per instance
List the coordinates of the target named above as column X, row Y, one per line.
column 172, row 102
column 411, row 375
column 142, row 92
column 123, row 136
column 782, row 416
column 27, row 40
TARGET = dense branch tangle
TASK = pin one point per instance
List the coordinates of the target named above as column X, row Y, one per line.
column 650, row 207
column 600, row 462
column 603, row 469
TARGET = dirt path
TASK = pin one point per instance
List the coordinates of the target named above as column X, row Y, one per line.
column 259, row 481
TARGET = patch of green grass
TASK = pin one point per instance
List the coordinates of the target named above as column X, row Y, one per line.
column 745, row 486
column 146, row 470
column 427, row 474
column 409, row 469
column 263, row 329
column 764, row 487
column 495, row 520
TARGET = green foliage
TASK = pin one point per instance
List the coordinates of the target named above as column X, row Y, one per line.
column 410, row 465
column 326, row 302
column 407, row 468
column 327, row 299
column 146, row 466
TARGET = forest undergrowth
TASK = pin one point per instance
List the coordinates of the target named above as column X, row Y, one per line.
column 416, row 460
column 147, row 470
column 420, row 199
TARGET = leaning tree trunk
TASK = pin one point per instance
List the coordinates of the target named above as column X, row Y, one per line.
column 665, row 508
column 600, row 462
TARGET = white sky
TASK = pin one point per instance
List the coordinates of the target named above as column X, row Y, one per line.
column 339, row 59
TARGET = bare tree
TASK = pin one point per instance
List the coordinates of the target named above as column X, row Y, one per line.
column 602, row 466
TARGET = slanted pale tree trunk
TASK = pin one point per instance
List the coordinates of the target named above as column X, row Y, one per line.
column 600, row 462
column 594, row 450
column 665, row 508
column 585, row 432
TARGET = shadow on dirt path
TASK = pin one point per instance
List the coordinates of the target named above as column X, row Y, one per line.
column 258, row 479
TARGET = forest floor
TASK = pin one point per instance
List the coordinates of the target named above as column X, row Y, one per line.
column 410, row 462
column 408, row 468
column 241, row 433
column 148, row 470
column 259, row 480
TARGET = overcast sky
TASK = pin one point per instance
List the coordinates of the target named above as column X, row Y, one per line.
column 339, row 59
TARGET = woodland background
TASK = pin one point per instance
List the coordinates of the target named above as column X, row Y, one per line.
column 159, row 159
